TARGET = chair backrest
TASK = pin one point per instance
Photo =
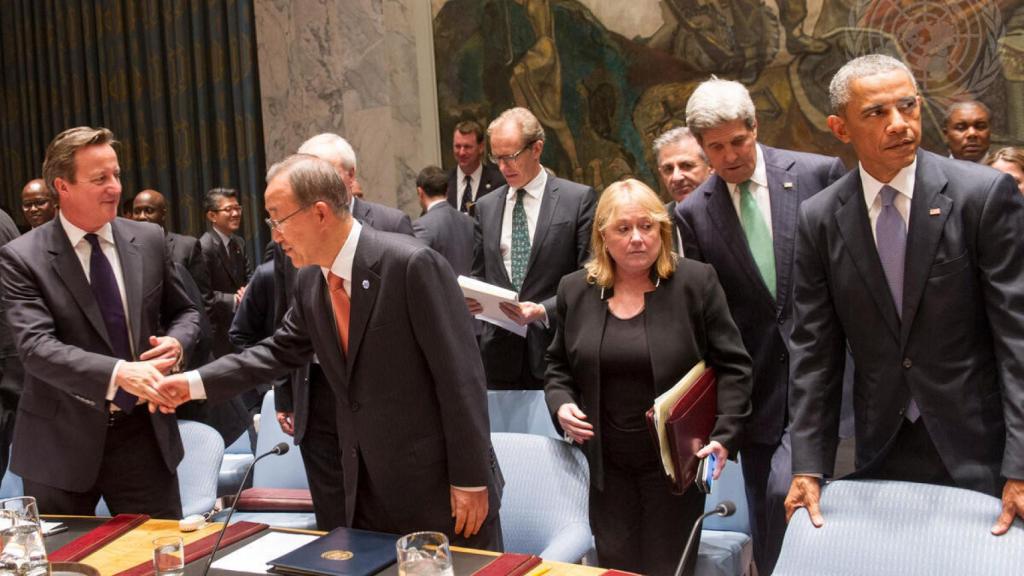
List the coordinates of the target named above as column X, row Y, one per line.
column 12, row 486
column 729, row 486
column 887, row 527
column 547, row 485
column 284, row 471
column 199, row 470
column 520, row 411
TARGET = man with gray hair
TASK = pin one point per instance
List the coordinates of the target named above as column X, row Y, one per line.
column 529, row 233
column 413, row 434
column 742, row 221
column 683, row 167
column 916, row 261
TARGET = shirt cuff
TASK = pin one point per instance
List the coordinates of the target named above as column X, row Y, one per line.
column 471, row 488
column 817, row 475
column 112, row 385
column 196, row 389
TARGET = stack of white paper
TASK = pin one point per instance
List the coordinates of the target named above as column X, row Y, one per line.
column 490, row 297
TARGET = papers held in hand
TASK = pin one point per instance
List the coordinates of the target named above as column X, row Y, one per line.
column 490, row 297
column 681, row 421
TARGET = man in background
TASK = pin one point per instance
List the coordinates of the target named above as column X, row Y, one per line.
column 37, row 203
column 227, row 262
column 683, row 167
column 968, row 130
column 442, row 227
column 471, row 178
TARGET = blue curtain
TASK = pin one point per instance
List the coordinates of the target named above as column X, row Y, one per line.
column 176, row 81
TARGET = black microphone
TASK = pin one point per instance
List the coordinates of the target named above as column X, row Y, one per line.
column 725, row 508
column 279, row 449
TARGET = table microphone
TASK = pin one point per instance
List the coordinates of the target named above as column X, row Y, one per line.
column 279, row 449
column 725, row 508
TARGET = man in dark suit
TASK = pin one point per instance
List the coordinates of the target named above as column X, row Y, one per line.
column 742, row 221
column 37, row 203
column 364, row 299
column 11, row 371
column 683, row 167
column 84, row 296
column 228, row 262
column 917, row 261
column 442, row 227
column 150, row 206
column 528, row 235
column 471, row 178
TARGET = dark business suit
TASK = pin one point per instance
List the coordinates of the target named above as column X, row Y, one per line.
column 490, row 180
column 61, row 438
column 560, row 245
column 712, row 233
column 408, row 429
column 687, row 320
column 187, row 251
column 450, row 233
column 958, row 349
column 226, row 277
column 381, row 217
column 11, row 371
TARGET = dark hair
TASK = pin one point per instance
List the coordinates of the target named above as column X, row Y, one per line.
column 313, row 180
column 964, row 104
column 433, row 181
column 471, row 127
column 213, row 196
column 60, row 154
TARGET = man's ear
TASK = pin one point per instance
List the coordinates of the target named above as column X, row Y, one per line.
column 838, row 127
column 210, row 217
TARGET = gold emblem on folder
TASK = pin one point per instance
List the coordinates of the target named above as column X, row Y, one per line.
column 337, row 555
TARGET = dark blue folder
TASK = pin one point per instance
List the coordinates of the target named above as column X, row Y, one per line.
column 341, row 552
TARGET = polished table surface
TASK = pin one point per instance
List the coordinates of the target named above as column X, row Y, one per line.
column 136, row 546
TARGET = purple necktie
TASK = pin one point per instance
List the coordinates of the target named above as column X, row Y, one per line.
column 108, row 297
column 891, row 238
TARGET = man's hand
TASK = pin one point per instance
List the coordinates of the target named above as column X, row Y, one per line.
column 140, row 379
column 239, row 295
column 175, row 389
column 469, row 507
column 523, row 313
column 287, row 422
column 165, row 353
column 1013, row 505
column 571, row 419
column 721, row 455
column 805, row 492
column 474, row 306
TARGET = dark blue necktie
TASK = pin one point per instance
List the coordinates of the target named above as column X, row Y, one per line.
column 108, row 296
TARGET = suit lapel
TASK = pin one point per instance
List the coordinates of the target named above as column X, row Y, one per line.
column 361, row 212
column 784, row 204
column 132, row 270
column 548, row 204
column 492, row 222
column 923, row 234
column 722, row 213
column 68, row 267
column 365, row 287
column 222, row 256
column 855, row 228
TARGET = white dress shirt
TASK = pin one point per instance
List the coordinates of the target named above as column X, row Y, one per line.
column 225, row 241
column 903, row 182
column 474, row 183
column 758, row 189
column 531, row 204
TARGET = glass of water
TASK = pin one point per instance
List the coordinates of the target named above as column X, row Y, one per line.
column 169, row 556
column 424, row 554
column 23, row 553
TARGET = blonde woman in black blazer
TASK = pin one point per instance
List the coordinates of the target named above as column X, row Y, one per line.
column 631, row 324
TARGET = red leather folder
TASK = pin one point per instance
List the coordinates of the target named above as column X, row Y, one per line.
column 510, row 564
column 97, row 538
column 689, row 428
column 275, row 500
column 201, row 548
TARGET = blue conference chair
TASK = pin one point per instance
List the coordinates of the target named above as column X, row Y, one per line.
column 545, row 505
column 726, row 548
column 888, row 527
column 520, row 411
column 237, row 457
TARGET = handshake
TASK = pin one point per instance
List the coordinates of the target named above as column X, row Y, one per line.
column 153, row 377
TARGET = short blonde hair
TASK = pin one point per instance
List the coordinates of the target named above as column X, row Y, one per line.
column 601, row 267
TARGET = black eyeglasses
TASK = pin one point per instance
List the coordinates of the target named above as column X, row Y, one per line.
column 276, row 224
column 511, row 158
column 229, row 209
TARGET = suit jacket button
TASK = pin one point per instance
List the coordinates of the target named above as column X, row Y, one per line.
column 782, row 357
column 355, row 406
column 907, row 363
column 782, row 320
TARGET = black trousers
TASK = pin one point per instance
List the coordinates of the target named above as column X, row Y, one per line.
column 321, row 453
column 133, row 477
column 638, row 524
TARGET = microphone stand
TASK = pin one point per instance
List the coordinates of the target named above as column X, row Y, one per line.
column 724, row 509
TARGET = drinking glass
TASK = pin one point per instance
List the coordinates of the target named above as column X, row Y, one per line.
column 21, row 538
column 424, row 554
column 169, row 556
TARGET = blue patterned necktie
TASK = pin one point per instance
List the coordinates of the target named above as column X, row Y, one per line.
column 520, row 241
column 108, row 297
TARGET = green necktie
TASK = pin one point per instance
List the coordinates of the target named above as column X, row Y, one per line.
column 758, row 237
column 520, row 241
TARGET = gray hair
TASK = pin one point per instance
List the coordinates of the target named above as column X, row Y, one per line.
column 964, row 104
column 313, row 180
column 211, row 200
column 675, row 136
column 527, row 123
column 332, row 148
column 862, row 67
column 716, row 102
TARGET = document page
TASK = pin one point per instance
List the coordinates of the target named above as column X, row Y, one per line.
column 490, row 297
column 254, row 556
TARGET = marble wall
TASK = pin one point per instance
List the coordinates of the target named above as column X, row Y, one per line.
column 356, row 68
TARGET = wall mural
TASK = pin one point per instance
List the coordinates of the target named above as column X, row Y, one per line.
column 603, row 97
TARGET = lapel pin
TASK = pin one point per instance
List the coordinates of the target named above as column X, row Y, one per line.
column 787, row 184
column 366, row 284
column 935, row 211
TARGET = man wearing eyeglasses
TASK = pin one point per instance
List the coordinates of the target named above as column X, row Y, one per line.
column 228, row 263
column 529, row 234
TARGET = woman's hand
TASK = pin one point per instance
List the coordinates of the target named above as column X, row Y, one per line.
column 571, row 418
column 721, row 455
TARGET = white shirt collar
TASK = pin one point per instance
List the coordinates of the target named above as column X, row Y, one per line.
column 760, row 175
column 342, row 266
column 224, row 238
column 534, row 188
column 903, row 182
column 435, row 202
column 474, row 176
column 75, row 234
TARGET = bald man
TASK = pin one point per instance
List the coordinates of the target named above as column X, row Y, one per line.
column 151, row 206
column 37, row 203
